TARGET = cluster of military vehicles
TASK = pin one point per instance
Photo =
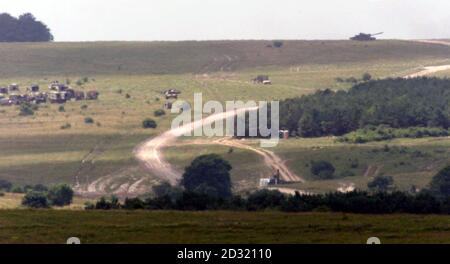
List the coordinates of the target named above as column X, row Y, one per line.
column 58, row 93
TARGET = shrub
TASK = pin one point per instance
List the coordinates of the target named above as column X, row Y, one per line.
column 108, row 204
column 17, row 189
column 40, row 188
column 278, row 44
column 27, row 109
column 322, row 169
column 159, row 112
column 89, row 120
column 35, row 199
column 84, row 107
column 66, row 126
column 381, row 183
column 440, row 184
column 5, row 185
column 149, row 123
column 61, row 108
column 127, row 96
column 60, row 195
column 366, row 77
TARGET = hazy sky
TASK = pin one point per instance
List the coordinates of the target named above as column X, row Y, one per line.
column 88, row 20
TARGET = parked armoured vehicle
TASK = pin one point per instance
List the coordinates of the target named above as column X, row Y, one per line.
column 365, row 37
column 92, row 95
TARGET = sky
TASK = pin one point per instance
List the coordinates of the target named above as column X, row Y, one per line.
column 142, row 20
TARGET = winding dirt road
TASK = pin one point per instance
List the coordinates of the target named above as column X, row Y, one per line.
column 149, row 153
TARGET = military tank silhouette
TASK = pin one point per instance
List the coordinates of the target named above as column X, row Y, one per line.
column 365, row 37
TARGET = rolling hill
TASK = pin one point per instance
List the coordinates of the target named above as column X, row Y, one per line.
column 118, row 58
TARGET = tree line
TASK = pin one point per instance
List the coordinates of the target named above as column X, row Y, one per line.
column 206, row 185
column 25, row 28
column 396, row 103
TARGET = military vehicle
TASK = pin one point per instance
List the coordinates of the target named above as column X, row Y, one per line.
column 365, row 37
column 264, row 79
column 57, row 97
column 13, row 88
column 92, row 95
column 79, row 95
column 172, row 94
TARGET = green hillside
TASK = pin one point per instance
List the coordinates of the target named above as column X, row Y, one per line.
column 112, row 58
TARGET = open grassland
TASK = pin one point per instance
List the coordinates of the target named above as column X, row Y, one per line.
column 51, row 226
column 143, row 58
column 131, row 78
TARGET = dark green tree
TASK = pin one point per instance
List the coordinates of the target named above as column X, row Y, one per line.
column 60, row 195
column 208, row 174
column 23, row 29
column 35, row 199
column 322, row 169
column 381, row 184
column 440, row 184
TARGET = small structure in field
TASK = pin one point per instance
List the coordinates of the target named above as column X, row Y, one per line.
column 13, row 88
column 79, row 95
column 92, row 95
column 33, row 88
column 274, row 180
column 5, row 101
column 57, row 97
column 262, row 79
column 3, row 90
column 172, row 94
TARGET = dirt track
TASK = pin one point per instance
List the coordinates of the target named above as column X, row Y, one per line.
column 149, row 153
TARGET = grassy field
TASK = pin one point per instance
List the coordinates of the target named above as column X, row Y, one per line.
column 24, row 226
column 35, row 149
column 144, row 58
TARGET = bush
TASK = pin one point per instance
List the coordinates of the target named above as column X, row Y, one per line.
column 366, row 77
column 149, row 123
column 133, row 204
column 278, row 44
column 17, row 189
column 35, row 199
column 84, row 107
column 66, row 126
column 381, row 183
column 108, row 204
column 159, row 112
column 40, row 188
column 89, row 120
column 61, row 108
column 60, row 195
column 5, row 185
column 265, row 199
column 440, row 184
column 322, row 169
column 27, row 109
